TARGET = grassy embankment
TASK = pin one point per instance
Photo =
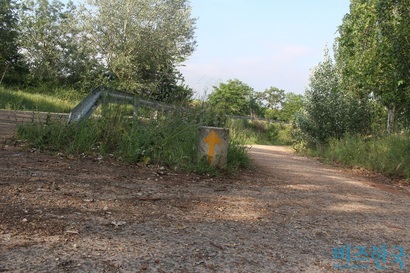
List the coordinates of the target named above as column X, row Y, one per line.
column 171, row 139
column 388, row 155
column 42, row 100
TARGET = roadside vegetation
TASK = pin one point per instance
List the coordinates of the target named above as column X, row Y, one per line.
column 53, row 52
column 357, row 106
column 263, row 132
column 58, row 101
column 355, row 111
column 388, row 154
column 170, row 140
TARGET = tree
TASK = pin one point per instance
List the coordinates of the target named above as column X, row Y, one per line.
column 170, row 87
column 47, row 41
column 231, row 98
column 328, row 112
column 291, row 105
column 9, row 57
column 373, row 54
column 271, row 99
column 141, row 41
column 134, row 45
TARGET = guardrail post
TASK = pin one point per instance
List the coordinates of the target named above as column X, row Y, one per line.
column 87, row 106
column 136, row 106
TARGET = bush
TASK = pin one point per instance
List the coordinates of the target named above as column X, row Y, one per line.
column 329, row 112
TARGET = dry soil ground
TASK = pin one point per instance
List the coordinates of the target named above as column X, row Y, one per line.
column 287, row 214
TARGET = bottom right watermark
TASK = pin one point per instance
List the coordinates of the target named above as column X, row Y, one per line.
column 362, row 257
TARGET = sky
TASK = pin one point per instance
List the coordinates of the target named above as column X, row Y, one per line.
column 263, row 43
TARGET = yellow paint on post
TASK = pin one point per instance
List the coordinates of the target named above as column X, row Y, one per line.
column 212, row 139
column 213, row 145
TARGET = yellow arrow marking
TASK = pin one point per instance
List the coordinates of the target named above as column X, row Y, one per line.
column 212, row 139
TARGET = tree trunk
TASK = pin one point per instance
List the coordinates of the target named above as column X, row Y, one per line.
column 391, row 117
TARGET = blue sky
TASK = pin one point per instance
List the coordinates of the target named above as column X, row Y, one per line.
column 263, row 43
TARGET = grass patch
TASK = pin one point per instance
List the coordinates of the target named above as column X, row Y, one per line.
column 57, row 100
column 389, row 155
column 170, row 140
column 262, row 132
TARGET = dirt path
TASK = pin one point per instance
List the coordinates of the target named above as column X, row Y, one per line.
column 287, row 215
column 335, row 206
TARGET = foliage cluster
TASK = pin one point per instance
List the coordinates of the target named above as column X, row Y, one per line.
column 133, row 45
column 368, row 82
column 232, row 98
column 350, row 98
column 236, row 98
column 9, row 65
column 328, row 112
column 373, row 56
column 261, row 117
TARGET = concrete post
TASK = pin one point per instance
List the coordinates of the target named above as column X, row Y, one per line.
column 213, row 144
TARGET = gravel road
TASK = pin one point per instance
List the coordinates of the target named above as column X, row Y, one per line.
column 287, row 214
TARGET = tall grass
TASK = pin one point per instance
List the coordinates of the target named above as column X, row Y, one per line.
column 170, row 140
column 57, row 100
column 262, row 132
column 389, row 155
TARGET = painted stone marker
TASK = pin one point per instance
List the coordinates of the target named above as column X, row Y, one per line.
column 213, row 144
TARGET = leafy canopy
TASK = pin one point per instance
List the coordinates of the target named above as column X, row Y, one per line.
column 373, row 54
column 231, row 98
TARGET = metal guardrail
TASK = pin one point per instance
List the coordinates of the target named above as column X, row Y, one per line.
column 101, row 95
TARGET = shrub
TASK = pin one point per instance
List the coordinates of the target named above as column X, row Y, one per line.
column 329, row 112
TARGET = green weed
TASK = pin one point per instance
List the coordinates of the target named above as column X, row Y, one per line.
column 389, row 155
column 262, row 132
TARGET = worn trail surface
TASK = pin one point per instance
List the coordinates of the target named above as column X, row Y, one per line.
column 63, row 214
